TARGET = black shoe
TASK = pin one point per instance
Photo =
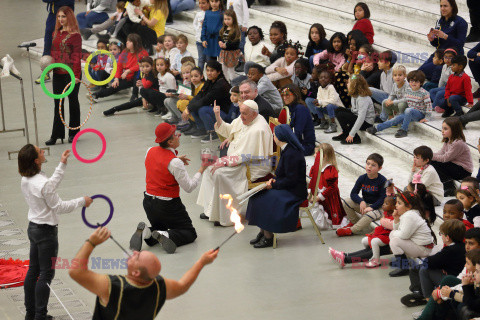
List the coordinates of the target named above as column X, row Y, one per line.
column 133, row 97
column 52, row 141
column 217, row 224
column 340, row 137
column 399, row 273
column 153, row 110
column 264, row 243
column 187, row 128
column 167, row 244
column 447, row 113
column 70, row 139
column 190, row 131
column 459, row 113
column 136, row 239
column 414, row 299
column 204, row 216
column 109, row 112
column 199, row 134
column 240, row 67
column 372, row 130
column 378, row 119
column 401, row 133
column 257, row 238
column 86, row 33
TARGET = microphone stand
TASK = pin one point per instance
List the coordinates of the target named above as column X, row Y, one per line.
column 34, row 105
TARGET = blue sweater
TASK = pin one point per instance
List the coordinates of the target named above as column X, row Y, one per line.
column 302, row 124
column 290, row 173
column 54, row 5
column 472, row 53
column 456, row 29
column 373, row 190
column 212, row 24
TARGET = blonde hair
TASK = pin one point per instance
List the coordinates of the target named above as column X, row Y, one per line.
column 186, row 65
column 328, row 155
column 358, row 87
column 399, row 68
column 161, row 5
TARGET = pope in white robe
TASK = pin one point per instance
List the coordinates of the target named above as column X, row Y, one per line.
column 250, row 137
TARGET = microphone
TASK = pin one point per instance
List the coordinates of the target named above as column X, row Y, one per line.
column 27, row 45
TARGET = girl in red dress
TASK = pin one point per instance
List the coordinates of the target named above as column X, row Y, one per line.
column 328, row 193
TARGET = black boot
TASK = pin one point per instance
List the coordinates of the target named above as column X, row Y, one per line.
column 449, row 188
column 110, row 112
column 401, row 265
column 340, row 137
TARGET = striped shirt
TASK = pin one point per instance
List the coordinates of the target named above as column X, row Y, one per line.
column 419, row 100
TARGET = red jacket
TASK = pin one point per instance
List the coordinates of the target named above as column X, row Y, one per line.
column 67, row 49
column 160, row 182
column 459, row 85
column 130, row 61
column 366, row 27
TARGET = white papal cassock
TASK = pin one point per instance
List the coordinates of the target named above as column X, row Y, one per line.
column 246, row 142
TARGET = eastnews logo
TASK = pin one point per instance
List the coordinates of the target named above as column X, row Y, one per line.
column 97, row 263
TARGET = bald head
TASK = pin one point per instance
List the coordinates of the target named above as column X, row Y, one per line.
column 144, row 266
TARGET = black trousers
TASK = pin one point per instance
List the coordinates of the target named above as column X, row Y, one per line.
column 474, row 9
column 154, row 97
column 59, row 83
column 347, row 119
column 122, row 84
column 129, row 105
column 473, row 114
column 365, row 254
column 170, row 216
column 43, row 253
column 450, row 171
column 148, row 35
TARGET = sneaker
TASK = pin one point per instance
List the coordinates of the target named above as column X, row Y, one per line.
column 158, row 114
column 340, row 137
column 417, row 315
column 167, row 116
column 136, row 239
column 331, row 129
column 172, row 121
column 401, row 133
column 209, row 137
column 338, row 257
column 323, row 124
column 372, row 264
column 344, row 232
column 167, row 244
column 447, row 113
column 349, row 225
column 187, row 128
column 199, row 134
column 47, row 78
column 181, row 124
column 439, row 110
column 316, row 123
column 86, row 33
column 372, row 130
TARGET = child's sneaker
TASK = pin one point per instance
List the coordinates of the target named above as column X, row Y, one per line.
column 372, row 130
column 331, row 129
column 338, row 257
column 344, row 232
column 372, row 264
column 401, row 133
column 439, row 110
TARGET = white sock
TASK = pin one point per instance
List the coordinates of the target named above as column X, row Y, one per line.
column 146, row 233
column 165, row 233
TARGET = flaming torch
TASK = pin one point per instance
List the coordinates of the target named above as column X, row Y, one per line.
column 234, row 217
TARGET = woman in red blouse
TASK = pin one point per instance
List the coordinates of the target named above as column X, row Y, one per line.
column 66, row 49
column 362, row 23
column 127, row 67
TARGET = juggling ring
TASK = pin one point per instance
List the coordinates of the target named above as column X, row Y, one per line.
column 95, row 226
column 89, row 111
column 112, row 74
column 74, row 145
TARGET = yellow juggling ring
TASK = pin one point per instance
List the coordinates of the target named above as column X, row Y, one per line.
column 87, row 64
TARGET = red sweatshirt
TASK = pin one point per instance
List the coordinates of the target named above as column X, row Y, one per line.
column 459, row 85
column 366, row 27
column 67, row 49
column 130, row 63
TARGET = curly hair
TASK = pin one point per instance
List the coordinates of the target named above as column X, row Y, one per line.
column 281, row 27
column 358, row 86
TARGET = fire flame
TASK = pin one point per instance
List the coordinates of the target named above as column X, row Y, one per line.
column 234, row 216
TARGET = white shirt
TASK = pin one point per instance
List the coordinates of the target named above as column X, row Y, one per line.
column 166, row 82
column 177, row 168
column 42, row 198
column 197, row 25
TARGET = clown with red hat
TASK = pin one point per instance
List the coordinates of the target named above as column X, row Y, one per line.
column 170, row 223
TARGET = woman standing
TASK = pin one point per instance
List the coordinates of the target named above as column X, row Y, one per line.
column 450, row 32
column 44, row 207
column 276, row 209
column 67, row 49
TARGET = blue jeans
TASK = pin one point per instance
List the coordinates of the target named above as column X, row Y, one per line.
column 430, row 85
column 87, row 21
column 456, row 101
column 202, row 58
column 313, row 108
column 328, row 110
column 438, row 96
column 205, row 118
column 181, row 5
column 410, row 115
column 43, row 253
column 378, row 95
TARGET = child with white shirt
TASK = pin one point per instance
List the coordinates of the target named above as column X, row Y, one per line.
column 182, row 43
column 204, row 5
column 425, row 173
column 396, row 103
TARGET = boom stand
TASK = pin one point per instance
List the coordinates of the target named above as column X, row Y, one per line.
column 24, row 130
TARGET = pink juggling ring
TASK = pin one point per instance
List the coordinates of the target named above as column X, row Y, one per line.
column 94, row 226
column 74, row 145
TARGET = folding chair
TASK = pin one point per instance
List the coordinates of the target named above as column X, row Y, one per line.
column 309, row 205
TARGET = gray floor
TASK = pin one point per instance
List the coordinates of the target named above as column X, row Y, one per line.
column 296, row 280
